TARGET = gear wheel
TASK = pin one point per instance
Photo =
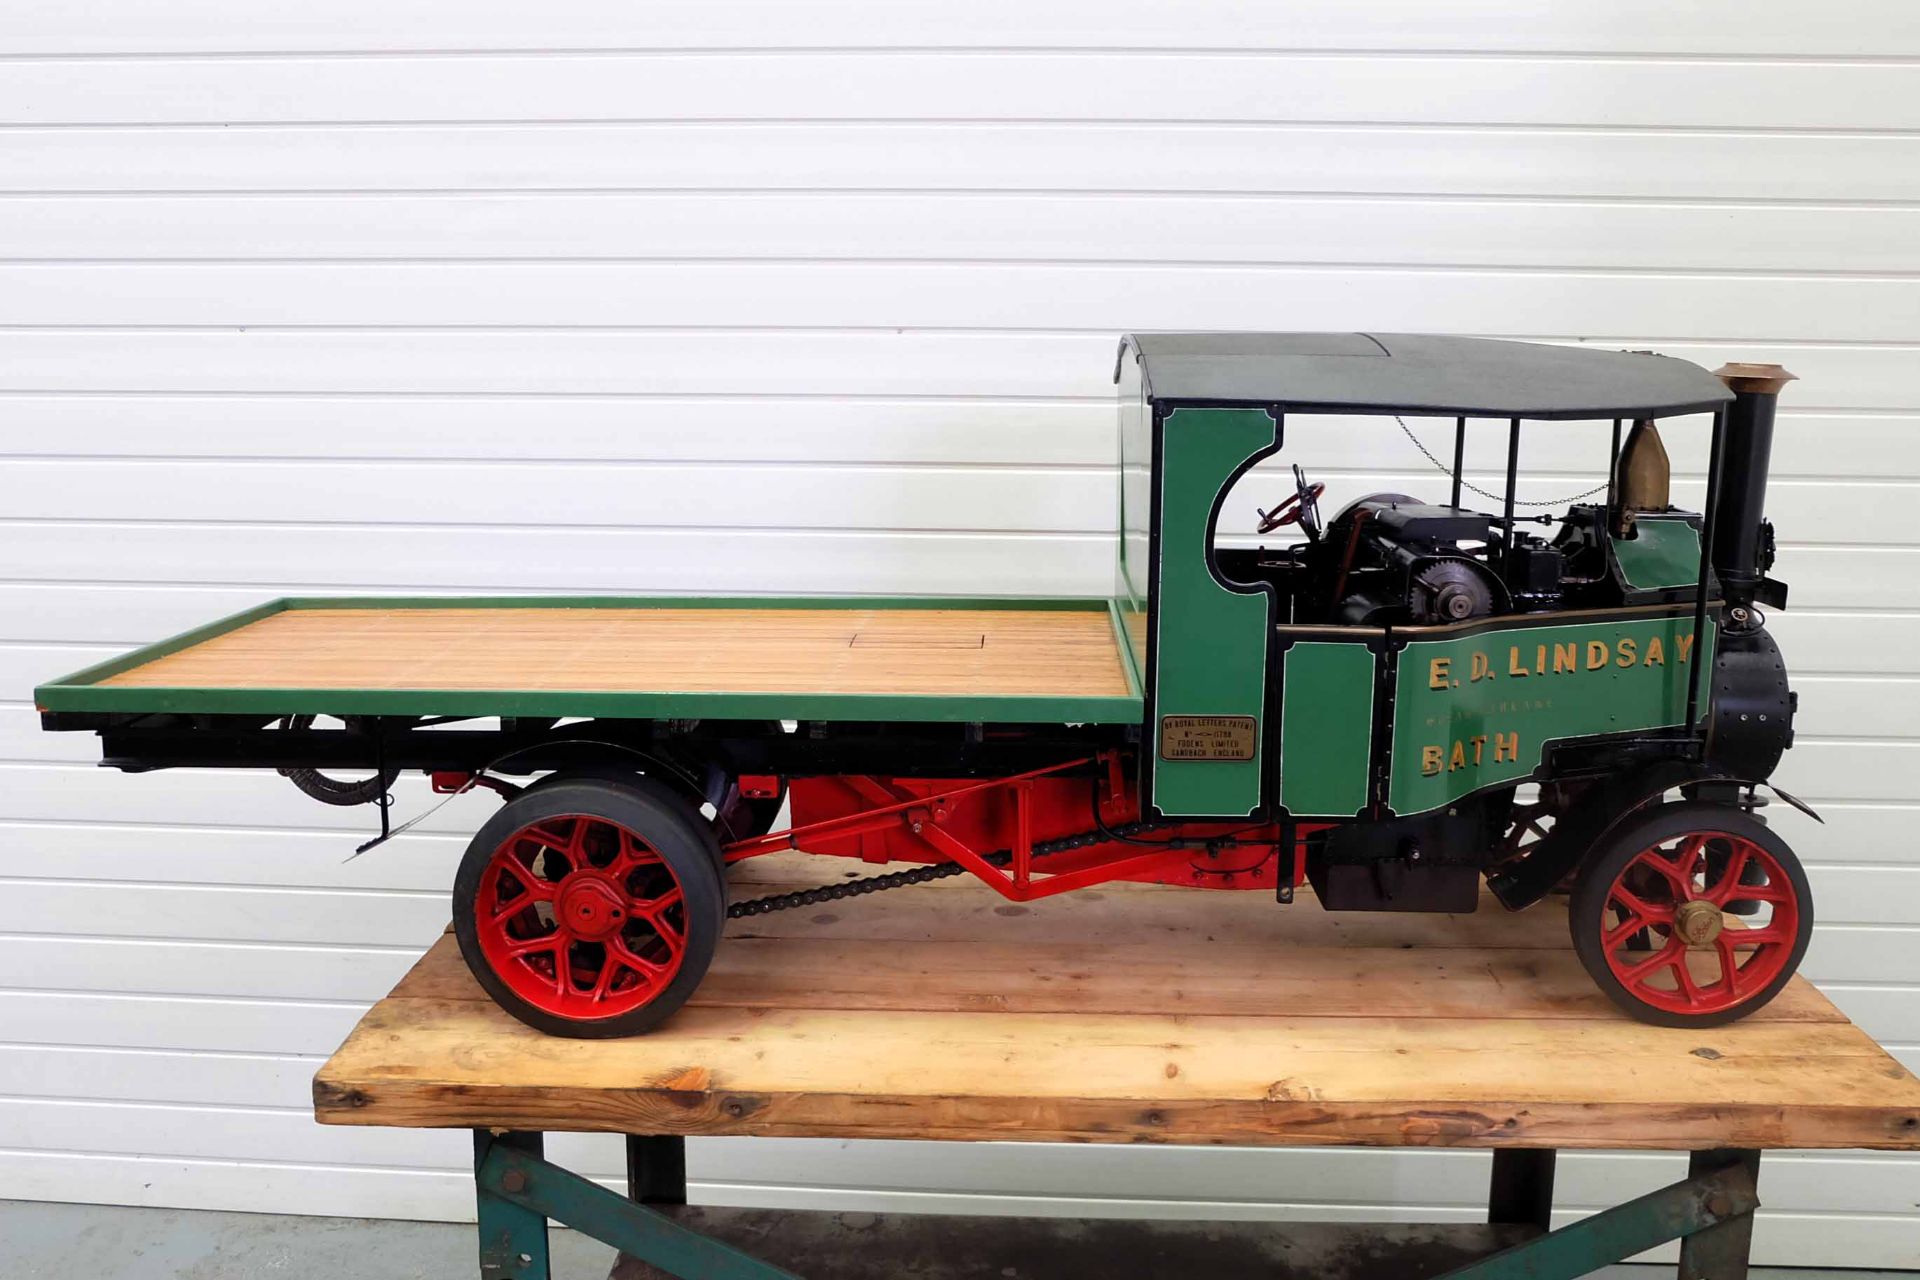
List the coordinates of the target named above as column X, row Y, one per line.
column 1449, row 591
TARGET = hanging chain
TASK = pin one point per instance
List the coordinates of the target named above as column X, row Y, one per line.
column 1487, row 494
column 927, row 874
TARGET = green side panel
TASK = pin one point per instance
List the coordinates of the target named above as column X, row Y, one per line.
column 1326, row 728
column 1210, row 644
column 1662, row 553
column 1477, row 709
column 1132, row 565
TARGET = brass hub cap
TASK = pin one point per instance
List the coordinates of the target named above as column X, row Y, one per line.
column 1698, row 922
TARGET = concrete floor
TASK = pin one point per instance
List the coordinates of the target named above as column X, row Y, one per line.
column 98, row 1242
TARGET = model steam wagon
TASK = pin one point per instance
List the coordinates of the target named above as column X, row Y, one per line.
column 1406, row 698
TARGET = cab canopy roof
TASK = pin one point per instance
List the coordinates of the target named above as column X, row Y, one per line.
column 1418, row 373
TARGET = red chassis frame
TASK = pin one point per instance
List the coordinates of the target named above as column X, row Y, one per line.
column 980, row 824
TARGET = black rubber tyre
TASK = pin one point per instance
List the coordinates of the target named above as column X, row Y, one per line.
column 1620, row 848
column 670, row 829
column 340, row 791
column 669, row 789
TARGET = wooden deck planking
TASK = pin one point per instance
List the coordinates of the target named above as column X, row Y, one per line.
column 956, row 1015
column 1081, row 978
column 726, row 649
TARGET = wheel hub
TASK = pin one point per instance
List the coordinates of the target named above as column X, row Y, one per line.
column 1698, row 922
column 1656, row 939
column 590, row 906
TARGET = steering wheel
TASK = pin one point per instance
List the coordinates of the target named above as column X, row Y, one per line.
column 1303, row 508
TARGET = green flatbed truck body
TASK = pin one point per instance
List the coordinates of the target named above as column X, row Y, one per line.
column 1233, row 706
column 1360, row 707
column 1094, row 681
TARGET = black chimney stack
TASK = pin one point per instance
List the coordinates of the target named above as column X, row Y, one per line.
column 1745, row 451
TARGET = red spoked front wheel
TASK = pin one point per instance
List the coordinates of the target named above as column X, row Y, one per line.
column 1694, row 915
column 590, row 908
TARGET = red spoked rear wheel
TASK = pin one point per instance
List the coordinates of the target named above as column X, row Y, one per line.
column 581, row 917
column 1694, row 915
column 590, row 908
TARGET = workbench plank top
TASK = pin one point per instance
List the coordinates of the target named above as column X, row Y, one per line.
column 1131, row 1013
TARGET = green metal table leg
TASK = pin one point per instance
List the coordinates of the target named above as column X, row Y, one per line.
column 1720, row 1252
column 513, row 1238
column 548, row 1191
column 1674, row 1212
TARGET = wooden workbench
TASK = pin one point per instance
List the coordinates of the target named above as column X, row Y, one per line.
column 1132, row 1014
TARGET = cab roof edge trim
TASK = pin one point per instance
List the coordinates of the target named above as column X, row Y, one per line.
column 1420, row 373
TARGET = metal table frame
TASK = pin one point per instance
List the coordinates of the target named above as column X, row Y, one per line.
column 1710, row 1212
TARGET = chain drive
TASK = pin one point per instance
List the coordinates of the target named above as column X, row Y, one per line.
column 921, row 875
column 1488, row 494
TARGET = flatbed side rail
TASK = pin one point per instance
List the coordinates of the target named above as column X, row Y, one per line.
column 53, row 695
column 87, row 690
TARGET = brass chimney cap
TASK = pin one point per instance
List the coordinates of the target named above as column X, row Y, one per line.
column 1754, row 379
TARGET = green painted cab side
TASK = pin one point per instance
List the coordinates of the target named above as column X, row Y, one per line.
column 1133, row 552
column 1210, row 641
column 1664, row 552
column 1478, row 706
column 1326, row 726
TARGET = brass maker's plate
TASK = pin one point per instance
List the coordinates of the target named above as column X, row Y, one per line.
column 1206, row 737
